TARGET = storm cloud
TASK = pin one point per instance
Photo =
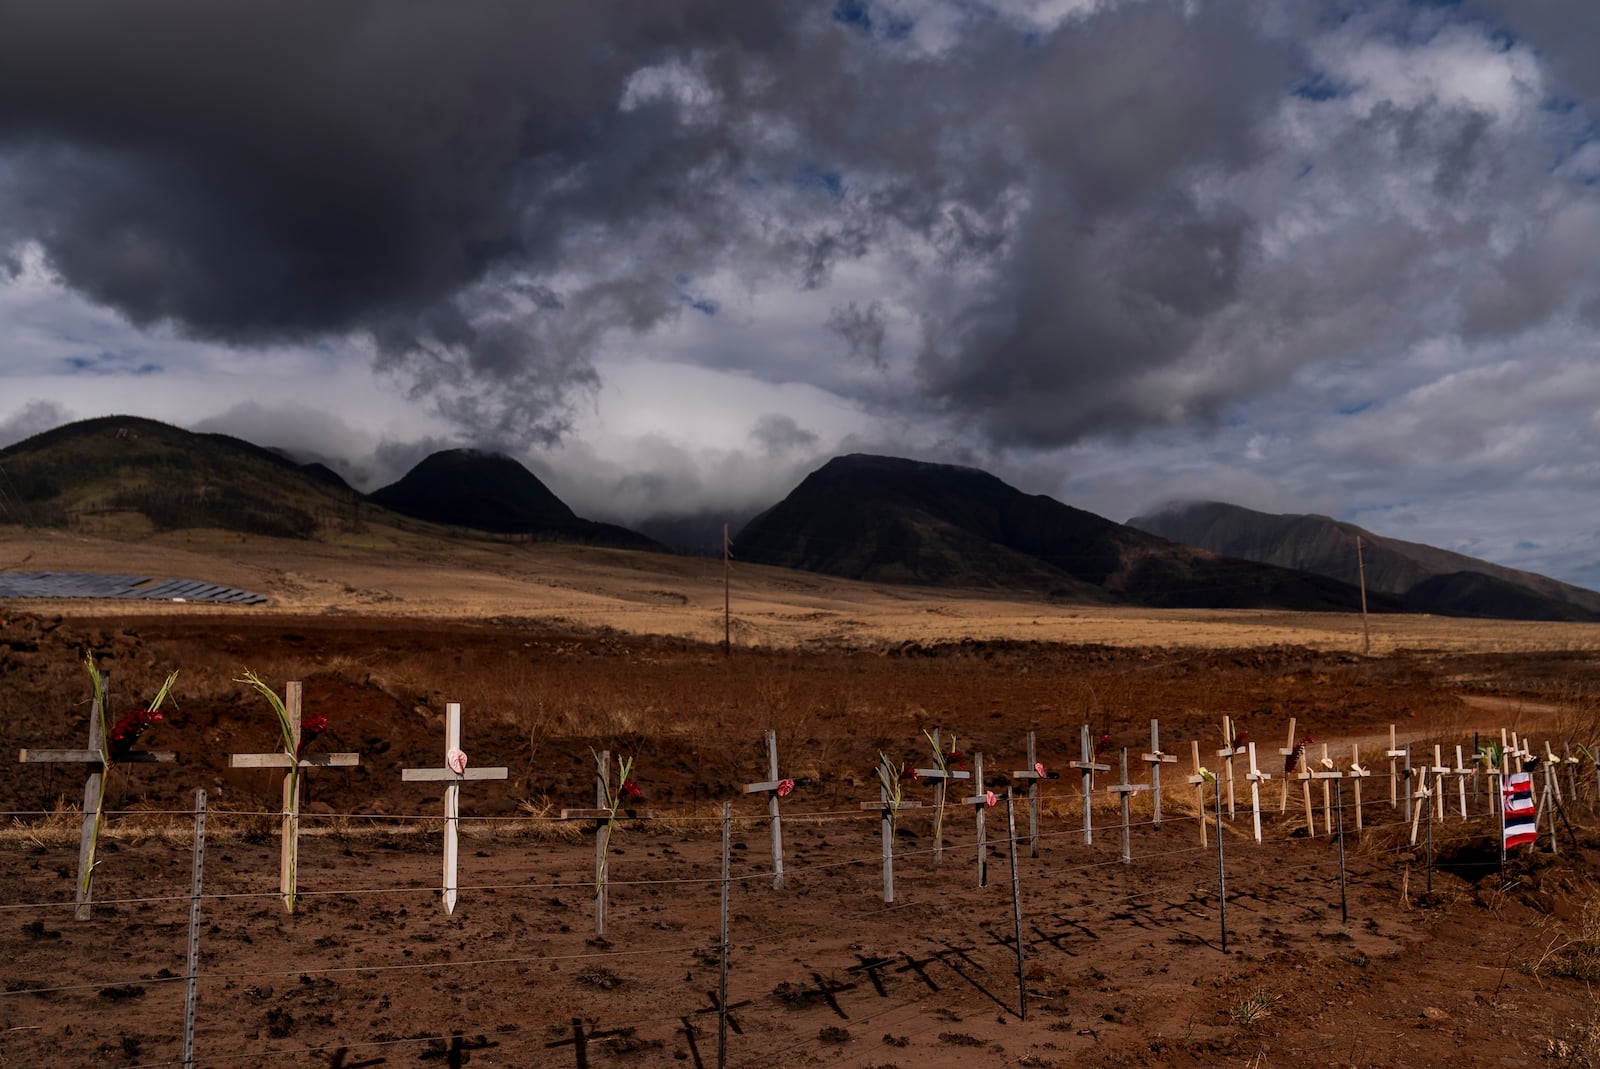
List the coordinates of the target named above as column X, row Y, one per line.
column 1019, row 233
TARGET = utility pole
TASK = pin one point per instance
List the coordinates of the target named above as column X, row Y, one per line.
column 727, row 626
column 1361, row 571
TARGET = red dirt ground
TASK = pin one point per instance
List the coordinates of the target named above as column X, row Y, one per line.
column 1123, row 962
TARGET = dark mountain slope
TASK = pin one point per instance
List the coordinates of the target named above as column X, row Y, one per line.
column 1430, row 579
column 892, row 520
column 492, row 492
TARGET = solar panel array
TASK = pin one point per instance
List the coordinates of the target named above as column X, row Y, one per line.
column 126, row 587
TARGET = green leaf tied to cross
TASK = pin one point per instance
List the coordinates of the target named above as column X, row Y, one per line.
column 295, row 735
column 108, row 745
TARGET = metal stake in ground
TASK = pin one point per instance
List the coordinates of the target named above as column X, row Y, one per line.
column 1122, row 791
column 1088, row 767
column 604, row 814
column 1338, row 791
column 774, row 788
column 981, row 803
column 1016, row 909
column 1255, row 776
column 96, row 759
column 191, row 975
column 1155, row 758
column 1032, row 775
column 1222, row 880
column 289, row 833
column 453, row 774
column 722, row 970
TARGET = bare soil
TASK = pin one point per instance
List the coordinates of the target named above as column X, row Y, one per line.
column 1123, row 963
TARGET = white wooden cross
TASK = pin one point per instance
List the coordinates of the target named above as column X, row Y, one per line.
column 454, row 772
column 289, row 831
column 1304, row 776
column 1088, row 766
column 1440, row 770
column 1255, row 776
column 1290, row 753
column 603, row 816
column 1357, row 774
column 939, row 778
column 97, row 760
column 1327, row 789
column 1422, row 797
column 1553, row 764
column 1327, row 774
column 980, row 803
column 1032, row 775
column 1461, row 772
column 1124, row 791
column 1155, row 759
column 1199, row 782
column 774, row 788
column 1229, row 751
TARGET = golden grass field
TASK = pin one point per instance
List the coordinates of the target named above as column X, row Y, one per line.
column 394, row 573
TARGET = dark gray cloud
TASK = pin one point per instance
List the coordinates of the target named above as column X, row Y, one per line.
column 778, row 435
column 1137, row 215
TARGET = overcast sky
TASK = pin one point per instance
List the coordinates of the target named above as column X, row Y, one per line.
column 1302, row 256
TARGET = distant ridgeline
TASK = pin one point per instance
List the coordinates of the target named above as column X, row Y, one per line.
column 873, row 518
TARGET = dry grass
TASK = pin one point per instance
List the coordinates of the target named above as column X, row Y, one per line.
column 665, row 595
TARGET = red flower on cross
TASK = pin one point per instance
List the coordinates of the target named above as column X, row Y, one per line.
column 129, row 728
column 310, row 728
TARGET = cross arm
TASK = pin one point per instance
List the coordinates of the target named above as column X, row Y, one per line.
column 935, row 773
column 1088, row 766
column 87, row 757
column 413, row 775
column 1158, row 757
column 280, row 760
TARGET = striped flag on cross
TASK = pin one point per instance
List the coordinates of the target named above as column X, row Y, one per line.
column 1522, row 818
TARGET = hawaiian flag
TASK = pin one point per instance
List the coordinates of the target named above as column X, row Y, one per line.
column 1522, row 818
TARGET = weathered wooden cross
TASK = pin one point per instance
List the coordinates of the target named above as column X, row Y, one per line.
column 939, row 777
column 889, row 809
column 1394, row 753
column 1357, row 774
column 1032, row 775
column 1291, row 754
column 774, row 788
column 1088, row 767
column 97, row 760
column 289, row 832
column 1440, row 770
column 453, row 774
column 1155, row 759
column 1199, row 782
column 607, row 807
column 980, row 802
column 1123, row 791
column 1327, row 774
column 1462, row 772
column 1230, row 749
column 1255, row 776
